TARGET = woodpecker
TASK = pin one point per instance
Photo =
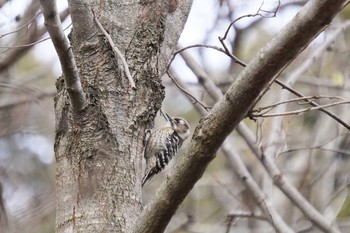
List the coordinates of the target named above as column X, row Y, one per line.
column 161, row 145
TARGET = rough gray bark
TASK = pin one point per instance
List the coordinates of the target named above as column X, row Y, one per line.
column 98, row 150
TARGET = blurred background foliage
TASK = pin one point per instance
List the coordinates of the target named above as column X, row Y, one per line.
column 311, row 149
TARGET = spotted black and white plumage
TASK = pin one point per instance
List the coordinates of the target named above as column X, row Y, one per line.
column 161, row 145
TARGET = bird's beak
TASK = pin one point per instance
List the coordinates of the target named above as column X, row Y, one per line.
column 167, row 117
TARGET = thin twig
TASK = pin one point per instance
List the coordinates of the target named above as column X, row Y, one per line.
column 266, row 109
column 344, row 152
column 300, row 100
column 337, row 193
column 31, row 100
column 194, row 46
column 249, row 16
column 296, row 112
column 247, row 215
column 236, row 20
column 29, row 44
column 223, row 38
column 186, row 92
column 202, row 76
column 313, row 103
column 320, row 146
column 116, row 51
column 23, row 26
column 22, row 36
column 28, row 40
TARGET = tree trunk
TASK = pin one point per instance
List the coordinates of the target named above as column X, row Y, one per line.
column 98, row 151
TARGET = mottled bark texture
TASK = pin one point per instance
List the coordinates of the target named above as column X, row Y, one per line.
column 98, row 150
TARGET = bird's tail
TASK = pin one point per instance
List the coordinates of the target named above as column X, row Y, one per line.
column 148, row 175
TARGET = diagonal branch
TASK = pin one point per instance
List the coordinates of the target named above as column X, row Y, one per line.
column 232, row 108
column 264, row 203
column 239, row 167
column 192, row 98
column 296, row 112
column 241, row 170
column 65, row 55
column 116, row 51
column 313, row 103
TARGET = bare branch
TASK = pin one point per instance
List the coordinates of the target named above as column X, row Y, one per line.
column 258, row 112
column 258, row 13
column 297, row 73
column 232, row 108
column 223, row 38
column 14, row 52
column 186, row 92
column 24, row 26
column 65, row 55
column 23, row 36
column 284, row 86
column 194, row 46
column 277, row 124
column 247, row 215
column 202, row 76
column 241, row 128
column 117, row 52
column 200, row 107
column 320, row 146
column 260, row 197
column 235, row 161
column 313, row 103
column 289, row 190
column 39, row 97
column 63, row 16
column 296, row 112
column 28, row 45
